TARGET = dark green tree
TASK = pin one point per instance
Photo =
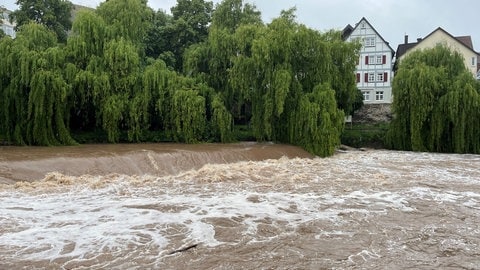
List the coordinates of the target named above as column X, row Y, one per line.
column 436, row 105
column 54, row 14
column 171, row 35
column 157, row 40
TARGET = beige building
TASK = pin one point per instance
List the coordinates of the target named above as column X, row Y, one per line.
column 461, row 44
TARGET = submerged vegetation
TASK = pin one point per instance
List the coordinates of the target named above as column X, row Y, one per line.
column 128, row 72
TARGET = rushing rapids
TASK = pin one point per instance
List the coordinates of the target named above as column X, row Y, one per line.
column 248, row 206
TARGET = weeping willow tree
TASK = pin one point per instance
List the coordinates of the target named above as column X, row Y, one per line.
column 127, row 19
column 211, row 60
column 222, row 120
column 188, row 115
column 105, row 53
column 316, row 124
column 34, row 93
column 287, row 72
column 436, row 104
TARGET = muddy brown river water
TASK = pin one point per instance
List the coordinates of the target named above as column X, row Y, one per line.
column 238, row 206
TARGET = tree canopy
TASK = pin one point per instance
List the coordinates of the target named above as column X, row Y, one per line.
column 129, row 72
column 54, row 14
column 436, row 105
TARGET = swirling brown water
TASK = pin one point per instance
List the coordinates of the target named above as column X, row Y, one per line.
column 241, row 206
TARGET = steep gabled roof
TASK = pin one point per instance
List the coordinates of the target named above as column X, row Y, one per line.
column 403, row 48
column 348, row 29
column 466, row 41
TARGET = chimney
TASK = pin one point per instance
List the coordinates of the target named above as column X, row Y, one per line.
column 406, row 39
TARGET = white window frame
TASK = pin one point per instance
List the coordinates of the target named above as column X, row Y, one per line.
column 370, row 42
column 379, row 77
column 379, row 95
column 371, row 77
column 376, row 59
column 366, row 95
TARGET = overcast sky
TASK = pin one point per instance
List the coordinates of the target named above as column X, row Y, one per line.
column 391, row 18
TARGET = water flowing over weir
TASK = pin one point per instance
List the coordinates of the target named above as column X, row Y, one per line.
column 247, row 206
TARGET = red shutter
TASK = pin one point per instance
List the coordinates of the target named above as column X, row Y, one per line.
column 384, row 59
column 358, row 77
column 366, row 77
column 366, row 60
column 385, row 77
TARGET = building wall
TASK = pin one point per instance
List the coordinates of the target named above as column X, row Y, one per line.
column 440, row 37
column 374, row 69
column 6, row 26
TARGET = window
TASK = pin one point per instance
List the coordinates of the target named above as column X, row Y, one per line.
column 369, row 41
column 379, row 95
column 473, row 61
column 376, row 60
column 362, row 26
column 366, row 95
column 379, row 77
column 376, row 77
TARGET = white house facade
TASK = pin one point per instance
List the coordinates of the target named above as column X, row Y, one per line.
column 7, row 27
column 374, row 70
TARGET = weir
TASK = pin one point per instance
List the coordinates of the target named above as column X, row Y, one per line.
column 34, row 163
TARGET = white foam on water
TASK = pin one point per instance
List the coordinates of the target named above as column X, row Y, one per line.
column 80, row 218
column 80, row 223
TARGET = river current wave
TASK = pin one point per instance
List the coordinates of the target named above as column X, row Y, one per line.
column 249, row 206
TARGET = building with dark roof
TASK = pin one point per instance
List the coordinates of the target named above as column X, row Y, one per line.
column 374, row 69
column 461, row 44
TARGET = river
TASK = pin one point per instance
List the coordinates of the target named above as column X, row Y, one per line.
column 236, row 206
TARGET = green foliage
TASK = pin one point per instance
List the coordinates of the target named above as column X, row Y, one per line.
column 46, row 109
column 222, row 120
column 188, row 115
column 231, row 14
column 436, row 104
column 54, row 14
column 87, row 38
column 289, row 74
column 317, row 124
column 118, row 77
column 34, row 95
column 126, row 19
column 169, row 36
column 365, row 135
